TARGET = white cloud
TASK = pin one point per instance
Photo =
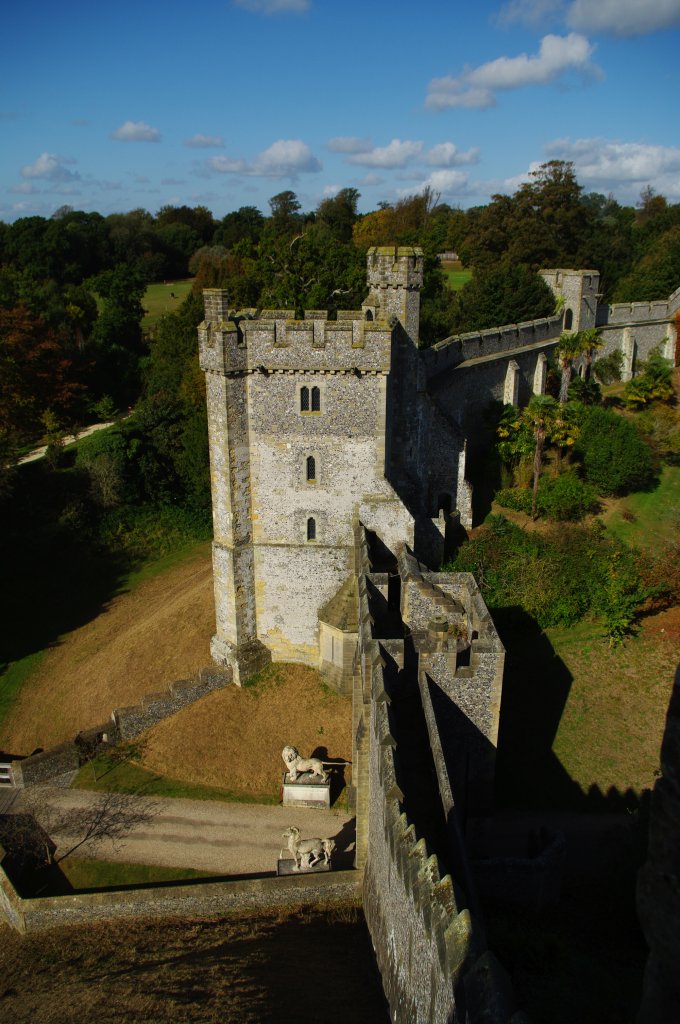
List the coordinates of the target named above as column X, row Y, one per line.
column 285, row 158
column 476, row 87
column 136, row 131
column 329, row 191
column 447, row 155
column 227, row 165
column 609, row 17
column 623, row 17
column 50, row 166
column 25, row 188
column 200, row 141
column 447, row 182
column 274, row 6
column 611, row 163
column 533, row 13
column 349, row 144
column 396, row 154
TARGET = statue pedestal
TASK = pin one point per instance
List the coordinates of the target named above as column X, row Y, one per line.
column 287, row 867
column 306, row 791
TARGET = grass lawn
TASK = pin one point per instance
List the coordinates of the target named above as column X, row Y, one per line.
column 163, row 297
column 102, row 874
column 456, row 278
column 19, row 674
column 13, row 678
column 130, row 777
column 581, row 722
column 648, row 519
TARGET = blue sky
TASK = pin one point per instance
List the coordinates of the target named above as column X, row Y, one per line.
column 225, row 104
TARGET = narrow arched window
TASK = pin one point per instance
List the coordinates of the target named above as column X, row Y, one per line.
column 568, row 320
column 311, row 529
column 369, row 314
column 304, row 399
column 311, row 469
column 316, row 400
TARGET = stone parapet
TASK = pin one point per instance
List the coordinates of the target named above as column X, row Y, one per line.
column 497, row 342
column 204, row 899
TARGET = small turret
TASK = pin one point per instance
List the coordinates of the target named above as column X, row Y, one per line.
column 395, row 277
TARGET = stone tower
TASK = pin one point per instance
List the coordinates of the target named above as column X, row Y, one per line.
column 298, row 429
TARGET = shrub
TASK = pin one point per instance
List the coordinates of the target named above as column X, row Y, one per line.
column 615, row 458
column 654, row 384
column 516, row 498
column 566, row 498
column 661, row 426
column 608, row 369
column 556, row 578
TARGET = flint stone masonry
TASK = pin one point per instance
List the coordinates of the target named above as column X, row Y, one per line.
column 206, row 899
column 421, row 908
column 125, row 723
column 338, row 462
column 132, row 721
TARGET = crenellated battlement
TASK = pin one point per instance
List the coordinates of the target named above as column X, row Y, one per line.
column 639, row 312
column 391, row 266
column 498, row 342
column 272, row 339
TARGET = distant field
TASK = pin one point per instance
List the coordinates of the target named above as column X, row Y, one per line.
column 456, row 277
column 164, row 297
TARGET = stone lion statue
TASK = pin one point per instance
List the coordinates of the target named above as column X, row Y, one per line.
column 295, row 763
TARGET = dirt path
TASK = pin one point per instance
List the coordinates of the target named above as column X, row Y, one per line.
column 38, row 453
column 229, row 839
column 144, row 640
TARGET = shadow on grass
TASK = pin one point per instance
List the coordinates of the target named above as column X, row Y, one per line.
column 536, row 687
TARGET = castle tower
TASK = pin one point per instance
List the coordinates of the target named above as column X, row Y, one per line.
column 395, row 277
column 579, row 291
column 296, row 414
column 235, row 642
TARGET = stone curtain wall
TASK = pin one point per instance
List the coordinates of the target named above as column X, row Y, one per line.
column 429, row 948
column 125, row 723
column 635, row 328
column 428, row 938
column 132, row 721
column 201, row 899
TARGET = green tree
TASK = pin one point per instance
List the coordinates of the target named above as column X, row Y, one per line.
column 541, row 414
column 243, row 225
column 285, row 208
column 615, row 458
column 501, row 295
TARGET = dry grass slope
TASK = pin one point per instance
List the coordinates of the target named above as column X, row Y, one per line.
column 144, row 640
column 234, row 737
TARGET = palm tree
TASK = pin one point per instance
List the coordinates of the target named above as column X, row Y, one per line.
column 541, row 414
column 569, row 348
column 591, row 343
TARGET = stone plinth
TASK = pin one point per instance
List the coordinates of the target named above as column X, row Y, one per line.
column 306, row 791
column 287, row 867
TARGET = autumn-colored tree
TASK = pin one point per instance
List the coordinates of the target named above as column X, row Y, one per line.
column 35, row 375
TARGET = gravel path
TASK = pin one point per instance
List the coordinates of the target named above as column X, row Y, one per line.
column 224, row 838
